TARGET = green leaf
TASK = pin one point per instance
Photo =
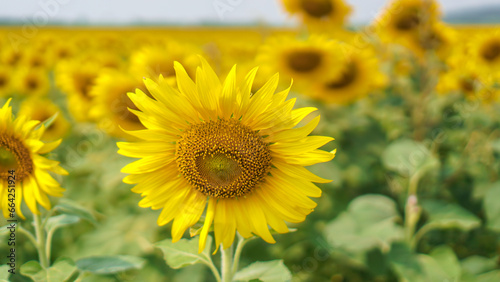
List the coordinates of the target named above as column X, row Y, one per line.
column 61, row 270
column 477, row 264
column 407, row 156
column 109, row 264
column 184, row 252
column 369, row 222
column 4, row 272
column 410, row 266
column 55, row 222
column 447, row 261
column 69, row 207
column 488, row 276
column 492, row 208
column 448, row 215
column 266, row 271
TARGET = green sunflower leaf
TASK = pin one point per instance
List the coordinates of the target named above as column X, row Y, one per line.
column 4, row 272
column 407, row 156
column 69, row 207
column 369, row 222
column 448, row 215
column 55, row 222
column 110, row 264
column 184, row 252
column 62, row 269
column 266, row 271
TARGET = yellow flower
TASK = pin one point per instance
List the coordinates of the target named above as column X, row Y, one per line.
column 155, row 60
column 111, row 103
column 319, row 15
column 403, row 20
column 43, row 109
column 76, row 79
column 360, row 74
column 485, row 52
column 215, row 145
column 5, row 81
column 31, row 82
column 20, row 150
column 313, row 59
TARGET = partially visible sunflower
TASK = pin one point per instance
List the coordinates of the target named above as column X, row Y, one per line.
column 31, row 81
column 360, row 75
column 484, row 50
column 111, row 102
column 403, row 20
column 11, row 57
column 215, row 146
column 42, row 109
column 6, row 77
column 319, row 15
column 21, row 150
column 76, row 78
column 438, row 39
column 312, row 59
column 152, row 61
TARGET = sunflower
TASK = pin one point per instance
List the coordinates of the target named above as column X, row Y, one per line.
column 403, row 20
column 215, row 145
column 485, row 52
column 31, row 82
column 360, row 74
column 307, row 60
column 438, row 39
column 11, row 57
column 111, row 102
column 76, row 78
column 5, row 81
column 319, row 15
column 20, row 150
column 152, row 61
column 32, row 109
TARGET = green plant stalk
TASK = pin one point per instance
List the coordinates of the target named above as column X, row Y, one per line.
column 27, row 234
column 212, row 267
column 227, row 263
column 40, row 241
column 237, row 254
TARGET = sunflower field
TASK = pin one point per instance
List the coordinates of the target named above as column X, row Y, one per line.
column 321, row 152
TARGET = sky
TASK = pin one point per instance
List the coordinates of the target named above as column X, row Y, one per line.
column 185, row 11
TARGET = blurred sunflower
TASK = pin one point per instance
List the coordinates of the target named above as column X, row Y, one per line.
column 11, row 57
column 152, row 61
column 302, row 60
column 403, row 20
column 111, row 102
column 485, row 52
column 438, row 39
column 32, row 109
column 360, row 74
column 76, row 78
column 319, row 15
column 215, row 143
column 31, row 82
column 34, row 59
column 5, row 81
column 20, row 150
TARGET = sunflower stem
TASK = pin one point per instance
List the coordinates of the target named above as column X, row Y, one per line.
column 237, row 254
column 40, row 242
column 227, row 262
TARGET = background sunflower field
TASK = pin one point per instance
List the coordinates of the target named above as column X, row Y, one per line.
column 412, row 98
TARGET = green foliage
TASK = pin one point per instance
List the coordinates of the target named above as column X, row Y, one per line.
column 184, row 252
column 265, row 271
column 109, row 264
column 61, row 270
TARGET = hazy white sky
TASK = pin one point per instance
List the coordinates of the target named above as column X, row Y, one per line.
column 183, row 11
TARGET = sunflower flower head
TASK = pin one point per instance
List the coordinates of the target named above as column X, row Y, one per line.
column 219, row 149
column 21, row 150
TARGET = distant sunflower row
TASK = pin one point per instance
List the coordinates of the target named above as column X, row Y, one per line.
column 88, row 72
